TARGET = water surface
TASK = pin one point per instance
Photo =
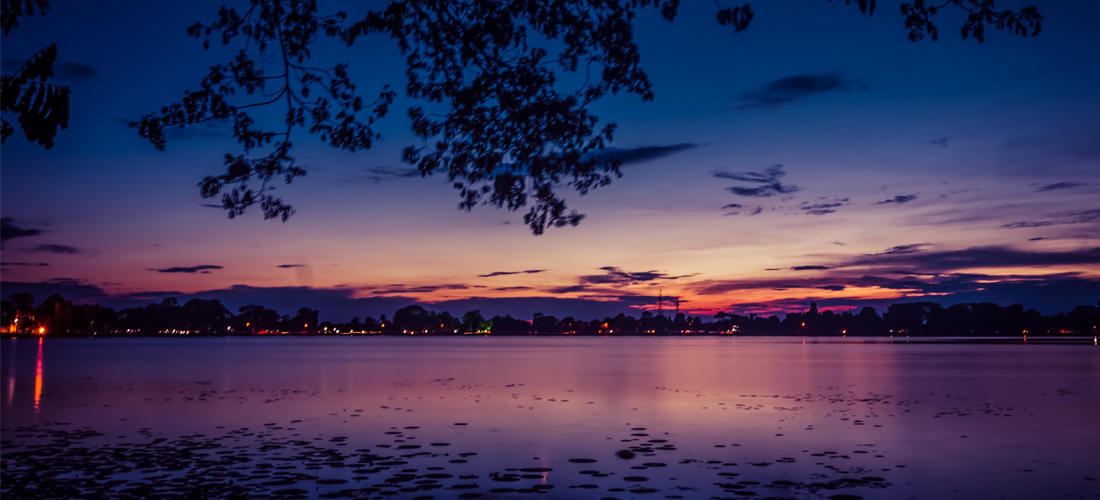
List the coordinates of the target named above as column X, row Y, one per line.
column 552, row 417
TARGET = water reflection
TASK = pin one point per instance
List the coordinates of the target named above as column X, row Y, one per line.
column 9, row 372
column 38, row 378
column 11, row 390
column 771, row 416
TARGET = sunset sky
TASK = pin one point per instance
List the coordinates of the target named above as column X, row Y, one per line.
column 882, row 171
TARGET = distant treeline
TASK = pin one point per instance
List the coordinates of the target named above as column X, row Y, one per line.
column 58, row 316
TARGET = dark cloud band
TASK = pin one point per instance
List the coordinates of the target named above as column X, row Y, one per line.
column 192, row 269
column 795, row 88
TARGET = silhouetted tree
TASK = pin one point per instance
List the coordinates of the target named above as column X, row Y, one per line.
column 447, row 324
column 256, row 318
column 867, row 322
column 22, row 301
column 22, row 317
column 7, row 312
column 507, row 325
column 153, row 318
column 306, row 321
column 1085, row 319
column 473, row 322
column 413, row 318
column 55, row 312
column 59, row 316
column 206, row 316
column 12, row 10
column 40, row 107
column 571, row 326
column 56, row 315
column 497, row 122
column 910, row 316
column 679, row 323
column 544, row 324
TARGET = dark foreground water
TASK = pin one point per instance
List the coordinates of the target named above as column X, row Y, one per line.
column 562, row 418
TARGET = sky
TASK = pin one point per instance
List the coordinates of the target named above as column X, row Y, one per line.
column 817, row 156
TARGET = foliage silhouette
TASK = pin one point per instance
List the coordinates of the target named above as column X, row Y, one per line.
column 41, row 108
column 58, row 316
column 495, row 119
column 12, row 10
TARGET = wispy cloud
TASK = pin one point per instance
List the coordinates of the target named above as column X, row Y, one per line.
column 569, row 289
column 899, row 199
column 971, row 258
column 1059, row 185
column 509, row 273
column 904, row 249
column 615, row 275
column 75, row 71
column 10, row 230
column 192, row 269
column 738, row 209
column 734, row 208
column 1070, row 218
column 932, row 273
column 626, row 156
column 768, row 180
column 63, row 70
column 644, row 153
column 378, row 174
column 52, row 248
column 823, row 207
column 1049, row 293
column 958, row 191
column 212, row 129
column 795, row 88
column 402, row 289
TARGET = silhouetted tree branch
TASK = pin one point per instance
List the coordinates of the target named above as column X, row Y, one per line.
column 324, row 100
column 41, row 108
column 498, row 122
column 12, row 10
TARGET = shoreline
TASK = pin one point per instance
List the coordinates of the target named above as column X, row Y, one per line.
column 873, row 339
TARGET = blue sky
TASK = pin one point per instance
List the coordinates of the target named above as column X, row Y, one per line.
column 980, row 161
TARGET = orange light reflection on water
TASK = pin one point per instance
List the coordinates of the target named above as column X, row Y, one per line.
column 38, row 377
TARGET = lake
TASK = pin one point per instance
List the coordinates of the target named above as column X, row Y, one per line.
column 549, row 417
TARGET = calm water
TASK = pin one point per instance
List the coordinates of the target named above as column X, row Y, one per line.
column 524, row 417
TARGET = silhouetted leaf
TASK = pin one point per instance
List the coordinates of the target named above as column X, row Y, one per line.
column 12, row 10
column 500, row 125
column 41, row 108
